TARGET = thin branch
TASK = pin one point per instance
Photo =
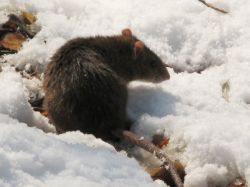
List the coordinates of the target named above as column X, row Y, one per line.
column 213, row 7
column 148, row 146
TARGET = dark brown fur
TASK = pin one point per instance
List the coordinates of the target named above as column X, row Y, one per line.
column 86, row 82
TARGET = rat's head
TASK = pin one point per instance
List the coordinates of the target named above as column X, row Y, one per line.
column 147, row 66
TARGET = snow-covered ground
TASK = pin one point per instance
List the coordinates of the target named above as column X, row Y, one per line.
column 208, row 126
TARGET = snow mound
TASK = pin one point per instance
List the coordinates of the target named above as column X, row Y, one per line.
column 28, row 157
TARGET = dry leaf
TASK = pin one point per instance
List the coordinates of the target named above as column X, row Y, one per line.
column 180, row 168
column 28, row 17
column 225, row 90
column 13, row 23
column 158, row 173
column 45, row 114
column 13, row 41
column 164, row 175
column 238, row 182
column 159, row 140
column 10, row 25
column 4, row 31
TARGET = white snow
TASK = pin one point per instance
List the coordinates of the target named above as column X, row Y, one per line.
column 209, row 134
column 28, row 157
column 14, row 101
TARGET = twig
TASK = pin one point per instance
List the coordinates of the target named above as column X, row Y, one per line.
column 213, row 7
column 148, row 146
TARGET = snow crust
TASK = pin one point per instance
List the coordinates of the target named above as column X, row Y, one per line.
column 209, row 132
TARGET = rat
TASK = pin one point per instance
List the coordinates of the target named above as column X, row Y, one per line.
column 86, row 80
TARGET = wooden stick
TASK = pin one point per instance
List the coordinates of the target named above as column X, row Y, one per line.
column 148, row 146
column 213, row 7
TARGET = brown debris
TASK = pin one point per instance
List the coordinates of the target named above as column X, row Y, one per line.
column 14, row 32
column 213, row 7
column 45, row 114
column 12, row 41
column 225, row 90
column 38, row 102
column 6, row 51
column 160, row 141
column 28, row 18
column 238, row 182
column 150, row 147
column 163, row 174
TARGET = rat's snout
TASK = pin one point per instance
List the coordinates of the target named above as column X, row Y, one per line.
column 162, row 76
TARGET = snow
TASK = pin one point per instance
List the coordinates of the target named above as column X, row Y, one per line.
column 15, row 104
column 208, row 133
column 28, row 157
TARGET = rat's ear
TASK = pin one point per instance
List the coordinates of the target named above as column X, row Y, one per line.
column 138, row 47
column 127, row 33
